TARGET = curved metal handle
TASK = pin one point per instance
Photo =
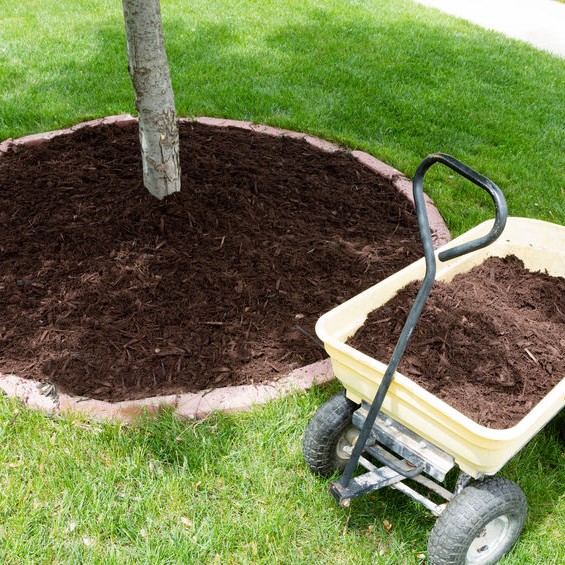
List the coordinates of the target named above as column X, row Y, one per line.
column 475, row 178
column 428, row 281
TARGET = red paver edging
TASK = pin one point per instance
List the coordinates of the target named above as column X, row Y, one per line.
column 198, row 405
column 192, row 406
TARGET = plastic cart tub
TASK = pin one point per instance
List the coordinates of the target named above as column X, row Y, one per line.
column 475, row 448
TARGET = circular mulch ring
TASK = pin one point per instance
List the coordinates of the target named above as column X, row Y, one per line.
column 123, row 301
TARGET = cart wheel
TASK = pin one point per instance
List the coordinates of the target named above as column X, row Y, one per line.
column 330, row 436
column 562, row 430
column 480, row 525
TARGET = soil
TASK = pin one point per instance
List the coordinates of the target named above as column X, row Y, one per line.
column 112, row 294
column 491, row 343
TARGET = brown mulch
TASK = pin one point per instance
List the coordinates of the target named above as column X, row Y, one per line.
column 114, row 295
column 491, row 343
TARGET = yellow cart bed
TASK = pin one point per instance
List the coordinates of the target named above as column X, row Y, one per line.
column 475, row 448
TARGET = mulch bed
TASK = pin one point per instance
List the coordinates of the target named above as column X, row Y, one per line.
column 491, row 343
column 114, row 295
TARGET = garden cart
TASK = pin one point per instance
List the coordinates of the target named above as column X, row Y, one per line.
column 404, row 437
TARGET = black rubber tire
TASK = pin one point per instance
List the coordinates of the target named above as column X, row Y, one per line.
column 490, row 512
column 325, row 431
column 562, row 430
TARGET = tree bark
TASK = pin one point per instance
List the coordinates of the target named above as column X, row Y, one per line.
column 154, row 98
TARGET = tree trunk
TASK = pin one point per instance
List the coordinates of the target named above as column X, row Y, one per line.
column 154, row 98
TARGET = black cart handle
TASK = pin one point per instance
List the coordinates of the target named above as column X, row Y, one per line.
column 474, row 177
column 429, row 277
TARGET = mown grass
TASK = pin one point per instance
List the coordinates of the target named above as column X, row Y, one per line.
column 388, row 77
column 230, row 489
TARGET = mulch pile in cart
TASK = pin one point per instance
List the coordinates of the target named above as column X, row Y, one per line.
column 491, row 343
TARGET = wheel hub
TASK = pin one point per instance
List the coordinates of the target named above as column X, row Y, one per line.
column 346, row 443
column 487, row 542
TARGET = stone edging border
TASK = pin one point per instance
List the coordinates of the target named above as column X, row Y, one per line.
column 199, row 405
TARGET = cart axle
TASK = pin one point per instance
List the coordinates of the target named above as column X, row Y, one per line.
column 404, row 455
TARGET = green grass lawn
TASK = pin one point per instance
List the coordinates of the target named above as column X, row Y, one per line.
column 231, row 489
column 389, row 77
